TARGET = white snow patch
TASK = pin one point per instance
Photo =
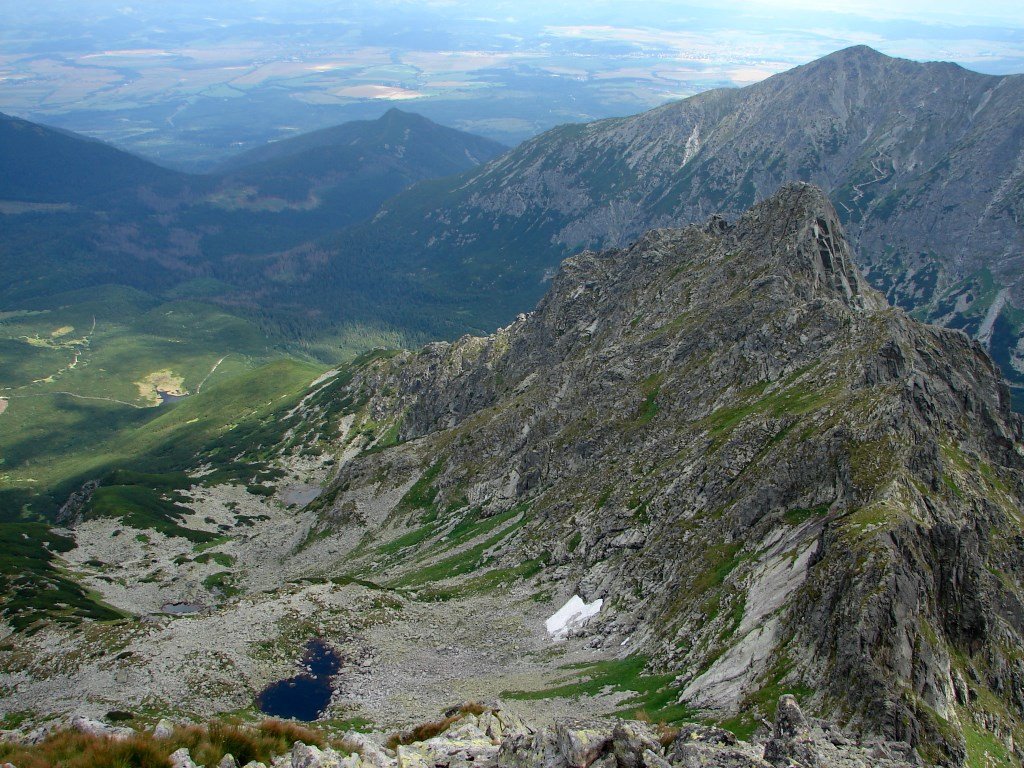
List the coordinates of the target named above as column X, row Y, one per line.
column 572, row 615
column 692, row 144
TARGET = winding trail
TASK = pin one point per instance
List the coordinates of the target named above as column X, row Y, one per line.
column 80, row 397
column 77, row 353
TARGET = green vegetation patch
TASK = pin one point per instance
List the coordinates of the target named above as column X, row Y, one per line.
column 873, row 463
column 793, row 400
column 33, row 588
column 423, row 493
column 145, row 508
column 223, row 559
column 222, row 582
column 472, row 525
column 651, row 388
column 720, row 560
column 983, row 749
column 653, row 694
column 459, row 564
column 799, row 515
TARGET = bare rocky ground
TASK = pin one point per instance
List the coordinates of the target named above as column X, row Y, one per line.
column 404, row 659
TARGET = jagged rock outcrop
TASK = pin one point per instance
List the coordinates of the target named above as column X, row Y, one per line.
column 794, row 742
column 770, row 477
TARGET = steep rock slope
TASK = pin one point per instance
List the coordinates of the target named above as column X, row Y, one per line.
column 924, row 162
column 772, row 480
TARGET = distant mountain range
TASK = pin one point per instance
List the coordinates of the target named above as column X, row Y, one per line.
column 344, row 173
column 49, row 165
column 925, row 163
column 90, row 214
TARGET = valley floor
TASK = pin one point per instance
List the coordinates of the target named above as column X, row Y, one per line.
column 259, row 596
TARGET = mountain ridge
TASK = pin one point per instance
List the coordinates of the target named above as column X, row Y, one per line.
column 894, row 142
column 386, row 125
column 771, row 480
column 39, row 164
column 748, row 486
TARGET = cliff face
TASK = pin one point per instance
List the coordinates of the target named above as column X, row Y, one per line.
column 772, row 480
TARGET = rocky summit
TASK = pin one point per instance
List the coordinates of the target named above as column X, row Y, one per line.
column 770, row 479
column 710, row 470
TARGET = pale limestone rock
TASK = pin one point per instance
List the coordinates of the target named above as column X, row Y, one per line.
column 164, row 729
column 98, row 728
column 182, row 759
column 581, row 742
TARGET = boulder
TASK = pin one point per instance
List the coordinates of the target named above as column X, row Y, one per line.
column 581, row 742
column 463, row 746
column 305, row 756
column 370, row 751
column 536, row 750
column 182, row 759
column 631, row 741
column 163, row 729
column 98, row 728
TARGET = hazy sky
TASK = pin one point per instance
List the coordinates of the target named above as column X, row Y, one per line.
column 188, row 80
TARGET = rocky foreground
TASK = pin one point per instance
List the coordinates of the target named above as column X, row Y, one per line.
column 475, row 736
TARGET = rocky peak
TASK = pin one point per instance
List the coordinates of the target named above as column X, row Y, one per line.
column 767, row 476
column 798, row 227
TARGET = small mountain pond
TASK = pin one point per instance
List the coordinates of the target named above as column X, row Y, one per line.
column 304, row 696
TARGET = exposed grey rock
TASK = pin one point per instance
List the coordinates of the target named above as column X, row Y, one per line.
column 369, row 750
column 798, row 743
column 99, row 728
column 824, row 488
column 581, row 742
column 631, row 744
column 164, row 729
column 228, row 761
column 181, row 758
column 463, row 746
column 306, row 756
column 789, row 719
